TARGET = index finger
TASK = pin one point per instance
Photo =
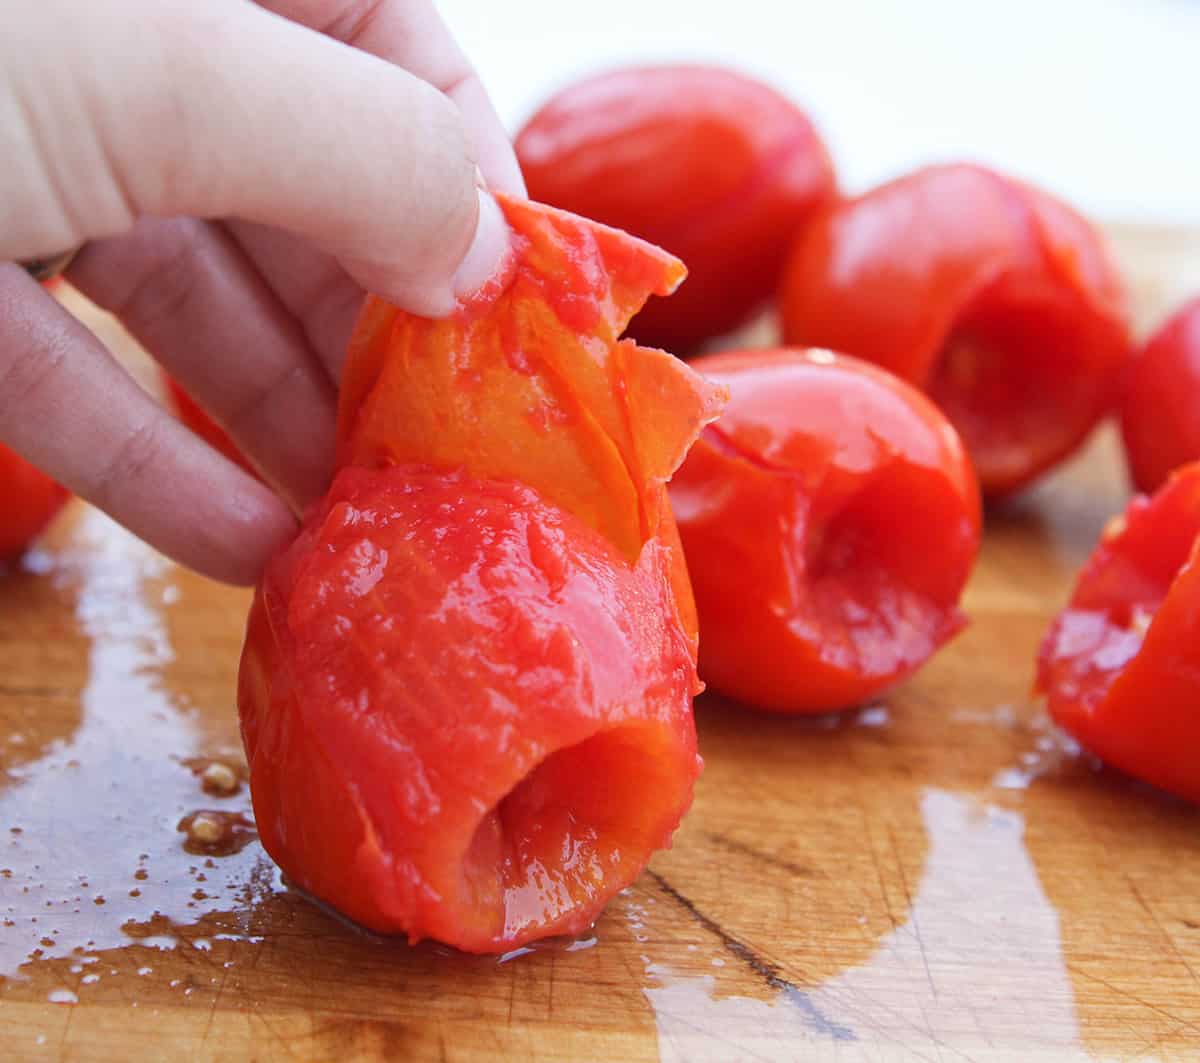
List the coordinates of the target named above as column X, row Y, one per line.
column 411, row 34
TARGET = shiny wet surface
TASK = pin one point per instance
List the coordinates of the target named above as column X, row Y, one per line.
column 939, row 876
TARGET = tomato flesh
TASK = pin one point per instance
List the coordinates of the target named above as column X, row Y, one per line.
column 1120, row 665
column 830, row 519
column 714, row 166
column 996, row 299
column 503, row 707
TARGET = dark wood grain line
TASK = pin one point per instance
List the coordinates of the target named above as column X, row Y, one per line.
column 768, row 859
column 769, row 972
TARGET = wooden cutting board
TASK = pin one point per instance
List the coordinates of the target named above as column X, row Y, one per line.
column 939, row 876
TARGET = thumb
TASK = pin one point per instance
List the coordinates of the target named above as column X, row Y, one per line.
column 138, row 107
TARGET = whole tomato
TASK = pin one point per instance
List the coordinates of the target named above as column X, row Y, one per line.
column 999, row 301
column 29, row 500
column 1120, row 665
column 830, row 519
column 719, row 169
column 466, row 688
column 1160, row 403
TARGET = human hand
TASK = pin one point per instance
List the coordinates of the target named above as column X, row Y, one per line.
column 241, row 173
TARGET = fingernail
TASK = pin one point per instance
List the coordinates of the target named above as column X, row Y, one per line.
column 488, row 251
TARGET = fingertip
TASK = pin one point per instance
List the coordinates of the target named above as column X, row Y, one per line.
column 488, row 251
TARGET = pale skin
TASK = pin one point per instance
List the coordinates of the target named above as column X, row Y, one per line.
column 240, row 174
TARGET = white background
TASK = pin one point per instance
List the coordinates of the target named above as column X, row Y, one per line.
column 1098, row 100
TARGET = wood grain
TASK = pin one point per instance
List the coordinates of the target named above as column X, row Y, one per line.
column 938, row 877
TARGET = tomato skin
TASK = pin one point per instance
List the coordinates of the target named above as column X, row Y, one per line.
column 192, row 414
column 466, row 687
column 442, row 648
column 999, row 301
column 1160, row 410
column 29, row 500
column 1120, row 665
column 830, row 520
column 718, row 168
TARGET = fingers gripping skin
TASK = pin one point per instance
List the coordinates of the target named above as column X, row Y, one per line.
column 140, row 109
column 226, row 110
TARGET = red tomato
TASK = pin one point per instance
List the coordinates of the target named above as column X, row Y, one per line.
column 830, row 520
column 194, row 416
column 29, row 501
column 466, row 688
column 1160, row 405
column 717, row 168
column 999, row 301
column 1121, row 664
column 480, row 724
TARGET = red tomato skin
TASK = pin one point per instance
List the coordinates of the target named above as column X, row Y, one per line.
column 192, row 414
column 719, row 169
column 1160, row 402
column 999, row 301
column 29, row 500
column 422, row 668
column 830, row 520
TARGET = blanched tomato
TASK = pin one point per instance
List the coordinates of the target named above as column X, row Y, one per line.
column 1120, row 666
column 1160, row 402
column 996, row 299
column 29, row 500
column 830, row 520
column 714, row 166
column 466, row 688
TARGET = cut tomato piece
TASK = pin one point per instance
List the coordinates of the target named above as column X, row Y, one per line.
column 1160, row 403
column 30, row 499
column 830, row 520
column 466, row 688
column 999, row 301
column 1120, row 666
column 716, row 167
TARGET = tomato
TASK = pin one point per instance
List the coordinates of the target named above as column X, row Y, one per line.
column 192, row 414
column 1120, row 666
column 993, row 297
column 830, row 520
column 29, row 499
column 1160, row 403
column 466, row 687
column 717, row 168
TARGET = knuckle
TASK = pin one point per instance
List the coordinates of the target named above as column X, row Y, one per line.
column 252, row 406
column 164, row 286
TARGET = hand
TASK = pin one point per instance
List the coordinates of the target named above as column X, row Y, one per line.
column 241, row 173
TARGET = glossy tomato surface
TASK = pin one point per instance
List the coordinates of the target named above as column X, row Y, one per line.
column 466, row 688
column 1120, row 666
column 830, row 520
column 999, row 301
column 29, row 500
column 479, row 723
column 1160, row 401
column 719, row 169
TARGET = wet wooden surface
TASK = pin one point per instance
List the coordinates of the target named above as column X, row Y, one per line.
column 940, row 876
